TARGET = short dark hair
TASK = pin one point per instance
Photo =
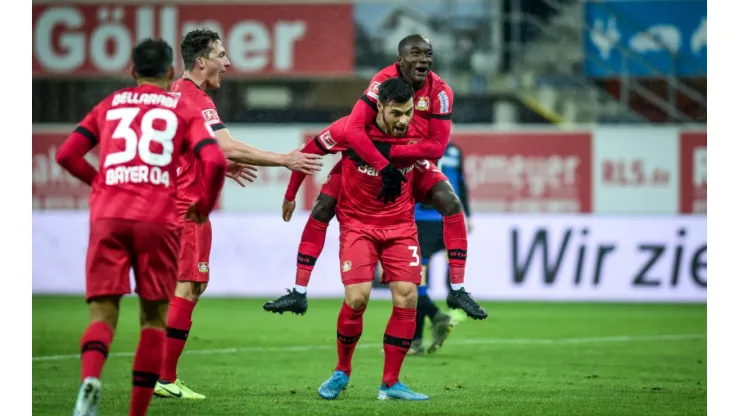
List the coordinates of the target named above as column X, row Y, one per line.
column 396, row 90
column 152, row 58
column 196, row 43
column 409, row 40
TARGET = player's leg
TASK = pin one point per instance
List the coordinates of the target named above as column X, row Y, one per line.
column 192, row 280
column 431, row 187
column 156, row 250
column 311, row 245
column 427, row 241
column 400, row 256
column 107, row 279
column 358, row 255
column 442, row 196
column 149, row 354
column 430, row 243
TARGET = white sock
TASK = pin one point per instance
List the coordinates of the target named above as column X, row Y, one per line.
column 456, row 286
column 299, row 289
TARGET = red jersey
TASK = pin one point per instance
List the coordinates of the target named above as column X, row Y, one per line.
column 357, row 205
column 433, row 100
column 190, row 173
column 142, row 132
column 431, row 121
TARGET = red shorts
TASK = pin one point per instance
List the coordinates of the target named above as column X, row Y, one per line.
column 426, row 175
column 195, row 250
column 333, row 183
column 118, row 245
column 397, row 249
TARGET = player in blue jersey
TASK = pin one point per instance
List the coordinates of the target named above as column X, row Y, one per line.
column 431, row 241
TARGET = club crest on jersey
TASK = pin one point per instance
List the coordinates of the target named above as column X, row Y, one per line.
column 203, row 267
column 326, row 140
column 422, row 104
column 347, row 266
column 211, row 116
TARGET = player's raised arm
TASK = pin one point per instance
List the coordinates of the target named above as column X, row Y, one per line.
column 355, row 131
column 71, row 154
column 440, row 125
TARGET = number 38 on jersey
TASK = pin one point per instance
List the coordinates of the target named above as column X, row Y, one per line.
column 158, row 129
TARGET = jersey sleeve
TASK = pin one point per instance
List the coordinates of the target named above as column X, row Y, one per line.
column 89, row 127
column 371, row 93
column 210, row 115
column 362, row 116
column 71, row 154
column 330, row 140
column 200, row 137
column 442, row 103
column 196, row 129
column 440, row 126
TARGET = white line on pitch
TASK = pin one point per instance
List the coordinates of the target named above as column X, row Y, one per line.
column 472, row 341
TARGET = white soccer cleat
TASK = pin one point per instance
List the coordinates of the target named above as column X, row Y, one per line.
column 88, row 398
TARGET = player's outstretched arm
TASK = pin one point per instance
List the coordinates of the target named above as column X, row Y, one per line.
column 356, row 136
column 440, row 126
column 243, row 153
column 296, row 178
column 71, row 155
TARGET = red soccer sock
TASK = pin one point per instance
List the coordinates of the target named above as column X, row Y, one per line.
column 94, row 347
column 396, row 342
column 179, row 322
column 349, row 330
column 312, row 242
column 455, row 236
column 147, row 362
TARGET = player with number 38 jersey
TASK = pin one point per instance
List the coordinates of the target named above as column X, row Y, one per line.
column 142, row 131
column 134, row 224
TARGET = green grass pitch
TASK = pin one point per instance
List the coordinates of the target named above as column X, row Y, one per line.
column 526, row 359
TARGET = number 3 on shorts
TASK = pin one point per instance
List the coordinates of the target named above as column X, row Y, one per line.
column 414, row 255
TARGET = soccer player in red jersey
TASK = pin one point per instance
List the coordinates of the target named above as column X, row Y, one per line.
column 204, row 60
column 433, row 103
column 142, row 131
column 373, row 230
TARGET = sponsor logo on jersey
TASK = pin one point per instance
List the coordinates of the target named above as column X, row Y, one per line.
column 374, row 90
column 326, row 139
column 444, row 102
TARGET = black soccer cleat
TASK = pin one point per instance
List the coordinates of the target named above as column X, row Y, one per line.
column 292, row 302
column 460, row 299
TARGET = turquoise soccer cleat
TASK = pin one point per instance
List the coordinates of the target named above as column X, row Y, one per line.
column 331, row 388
